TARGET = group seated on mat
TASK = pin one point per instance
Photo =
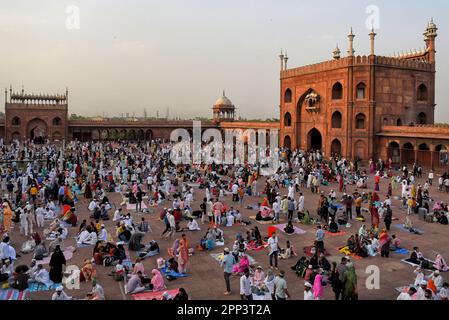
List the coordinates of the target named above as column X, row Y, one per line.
column 213, row 237
column 408, row 225
column 108, row 254
column 138, row 282
column 418, row 259
column 369, row 243
column 150, row 250
column 307, row 268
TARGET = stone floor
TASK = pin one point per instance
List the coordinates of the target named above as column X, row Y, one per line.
column 206, row 277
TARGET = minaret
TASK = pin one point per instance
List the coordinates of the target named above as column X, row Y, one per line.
column 6, row 96
column 429, row 38
column 351, row 37
column 281, row 57
column 285, row 61
column 337, row 53
column 372, row 36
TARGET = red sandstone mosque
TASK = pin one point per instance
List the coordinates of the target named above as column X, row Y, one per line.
column 356, row 106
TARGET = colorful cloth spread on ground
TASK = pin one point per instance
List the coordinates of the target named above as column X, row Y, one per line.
column 154, row 295
column 297, row 230
column 13, row 294
column 402, row 228
column 173, row 273
column 68, row 254
column 219, row 257
column 345, row 250
column 251, row 246
column 429, row 262
column 308, row 251
column 127, row 263
column 132, row 206
column 37, row 286
column 337, row 234
column 401, row 251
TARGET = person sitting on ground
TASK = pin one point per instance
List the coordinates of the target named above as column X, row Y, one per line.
column 242, row 265
column 289, row 229
column 301, row 266
column 134, row 284
column 150, row 250
column 333, row 226
column 88, row 271
column 157, row 281
column 395, row 243
column 323, row 263
column 135, row 241
column 41, row 276
column 288, row 252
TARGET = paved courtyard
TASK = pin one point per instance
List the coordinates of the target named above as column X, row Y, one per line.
column 205, row 279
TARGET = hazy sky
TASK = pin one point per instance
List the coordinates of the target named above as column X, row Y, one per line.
column 136, row 54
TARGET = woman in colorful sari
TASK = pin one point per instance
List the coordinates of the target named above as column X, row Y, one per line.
column 7, row 216
column 318, row 291
column 183, row 257
column 350, row 291
column 157, row 281
column 375, row 218
column 384, row 242
column 242, row 265
column 87, row 271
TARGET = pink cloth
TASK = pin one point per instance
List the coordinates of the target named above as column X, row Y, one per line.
column 157, row 280
column 243, row 264
column 318, row 290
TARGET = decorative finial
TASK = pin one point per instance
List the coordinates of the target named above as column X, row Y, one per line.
column 224, row 95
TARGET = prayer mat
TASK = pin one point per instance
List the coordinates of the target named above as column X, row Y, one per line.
column 338, row 234
column 297, row 230
column 37, row 287
column 173, row 273
column 154, row 295
column 132, row 206
column 261, row 221
column 147, row 255
column 401, row 251
column 13, row 294
column 402, row 228
column 219, row 257
column 307, row 251
column 68, row 254
column 251, row 246
column 430, row 262
column 344, row 250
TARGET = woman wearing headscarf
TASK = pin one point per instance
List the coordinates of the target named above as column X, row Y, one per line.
column 56, row 261
column 440, row 264
column 183, row 257
column 243, row 264
column 350, row 283
column 173, row 251
column 182, row 295
column 7, row 216
column 318, row 290
column 157, row 280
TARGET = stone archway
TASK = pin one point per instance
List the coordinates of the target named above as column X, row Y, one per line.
column 314, row 140
column 37, row 130
column 287, row 142
column 336, row 147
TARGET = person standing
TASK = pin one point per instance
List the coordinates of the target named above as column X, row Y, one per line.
column 273, row 245
column 350, row 283
column 280, row 287
column 227, row 263
column 388, row 217
column 319, row 238
column 308, row 293
column 245, row 286
column 183, row 258
column 56, row 261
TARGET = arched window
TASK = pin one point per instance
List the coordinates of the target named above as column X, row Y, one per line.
column 422, row 118
column 336, row 147
column 422, row 93
column 408, row 146
column 288, row 120
column 336, row 120
column 360, row 91
column 399, row 123
column 57, row 121
column 360, row 120
column 15, row 121
column 423, row 147
column 337, row 91
column 288, row 96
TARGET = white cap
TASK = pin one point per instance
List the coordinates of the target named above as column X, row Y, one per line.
column 59, row 288
column 308, row 284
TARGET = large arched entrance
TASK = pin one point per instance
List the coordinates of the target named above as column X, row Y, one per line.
column 314, row 140
column 287, row 142
column 336, row 147
column 37, row 130
column 394, row 152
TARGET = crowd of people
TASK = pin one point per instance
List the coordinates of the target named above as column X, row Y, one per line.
column 45, row 185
